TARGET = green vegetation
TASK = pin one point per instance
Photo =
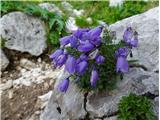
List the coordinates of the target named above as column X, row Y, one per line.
column 54, row 23
column 100, row 10
column 135, row 107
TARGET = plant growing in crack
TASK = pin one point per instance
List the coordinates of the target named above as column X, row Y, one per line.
column 134, row 107
column 93, row 59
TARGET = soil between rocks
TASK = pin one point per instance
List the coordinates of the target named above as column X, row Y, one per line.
column 22, row 104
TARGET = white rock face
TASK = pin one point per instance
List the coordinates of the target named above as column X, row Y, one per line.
column 23, row 33
column 3, row 60
column 70, row 105
column 115, row 3
column 137, row 81
column 51, row 7
column 146, row 25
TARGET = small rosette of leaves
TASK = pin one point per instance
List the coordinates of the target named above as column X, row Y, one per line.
column 92, row 59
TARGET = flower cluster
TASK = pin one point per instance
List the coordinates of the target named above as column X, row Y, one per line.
column 88, row 42
column 131, row 40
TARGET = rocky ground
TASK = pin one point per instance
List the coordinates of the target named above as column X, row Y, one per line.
column 29, row 82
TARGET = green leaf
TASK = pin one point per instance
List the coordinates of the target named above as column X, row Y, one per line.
column 51, row 22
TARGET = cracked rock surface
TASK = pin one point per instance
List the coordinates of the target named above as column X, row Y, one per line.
column 142, row 79
column 23, row 33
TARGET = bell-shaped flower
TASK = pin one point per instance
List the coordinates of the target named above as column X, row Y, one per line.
column 95, row 32
column 131, row 37
column 85, row 47
column 82, row 67
column 80, row 32
column 122, row 52
column 63, row 86
column 56, row 54
column 134, row 41
column 128, row 33
column 74, row 42
column 122, row 65
column 65, row 40
column 96, row 41
column 70, row 65
column 61, row 60
column 100, row 59
column 94, row 77
column 83, row 57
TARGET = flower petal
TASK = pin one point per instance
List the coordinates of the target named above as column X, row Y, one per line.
column 63, row 86
column 94, row 77
column 56, row 54
column 128, row 33
column 85, row 47
column 70, row 65
column 81, row 67
column 100, row 59
column 122, row 65
column 65, row 40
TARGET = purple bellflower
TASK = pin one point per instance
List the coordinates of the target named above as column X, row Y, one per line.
column 82, row 67
column 86, row 47
column 61, row 60
column 100, row 59
column 122, row 65
column 56, row 54
column 70, row 65
column 63, row 86
column 130, row 37
column 94, row 77
column 65, row 40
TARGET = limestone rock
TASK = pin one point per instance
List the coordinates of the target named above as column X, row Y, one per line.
column 65, row 106
column 51, row 7
column 3, row 60
column 146, row 25
column 23, row 33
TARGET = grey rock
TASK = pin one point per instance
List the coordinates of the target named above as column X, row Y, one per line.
column 137, row 80
column 146, row 25
column 51, row 7
column 106, row 103
column 6, row 85
column 23, row 33
column 65, row 106
column 111, row 118
column 3, row 60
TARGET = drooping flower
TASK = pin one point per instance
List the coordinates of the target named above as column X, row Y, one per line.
column 85, row 47
column 94, row 77
column 83, row 57
column 74, row 42
column 95, row 32
column 122, row 52
column 65, row 40
column 70, row 65
column 122, row 65
column 131, row 37
column 128, row 33
column 81, row 67
column 63, row 86
column 61, row 60
column 80, row 32
column 100, row 59
column 56, row 54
